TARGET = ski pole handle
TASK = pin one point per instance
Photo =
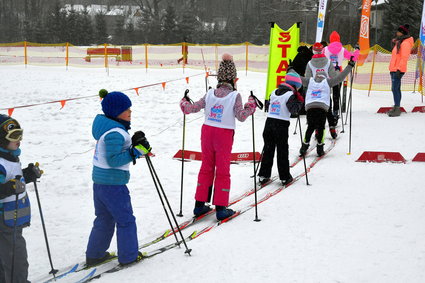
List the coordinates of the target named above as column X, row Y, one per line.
column 257, row 101
column 185, row 96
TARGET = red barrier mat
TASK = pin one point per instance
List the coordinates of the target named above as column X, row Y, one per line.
column 386, row 109
column 420, row 157
column 379, row 156
column 419, row 109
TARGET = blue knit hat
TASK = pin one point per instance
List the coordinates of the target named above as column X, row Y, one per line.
column 114, row 103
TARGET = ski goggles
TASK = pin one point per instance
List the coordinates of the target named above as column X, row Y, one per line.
column 14, row 135
column 12, row 129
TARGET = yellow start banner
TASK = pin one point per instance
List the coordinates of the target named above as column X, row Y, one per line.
column 283, row 47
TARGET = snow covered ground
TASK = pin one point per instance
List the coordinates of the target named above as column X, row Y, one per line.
column 357, row 222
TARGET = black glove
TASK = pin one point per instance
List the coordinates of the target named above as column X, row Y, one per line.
column 351, row 63
column 139, row 141
column 398, row 74
column 266, row 105
column 12, row 187
column 32, row 173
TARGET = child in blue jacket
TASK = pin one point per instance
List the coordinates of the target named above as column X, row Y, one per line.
column 114, row 152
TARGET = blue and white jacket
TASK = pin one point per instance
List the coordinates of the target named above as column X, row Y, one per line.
column 112, row 155
column 10, row 167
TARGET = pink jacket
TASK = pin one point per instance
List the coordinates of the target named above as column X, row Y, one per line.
column 335, row 47
column 399, row 59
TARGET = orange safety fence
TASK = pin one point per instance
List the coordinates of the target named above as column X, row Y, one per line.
column 372, row 75
column 63, row 101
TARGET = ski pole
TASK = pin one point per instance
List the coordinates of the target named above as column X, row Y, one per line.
column 260, row 105
column 350, row 100
column 342, row 115
column 15, row 219
column 206, row 70
column 158, row 185
column 162, row 201
column 253, row 153
column 180, row 214
column 301, row 138
column 296, row 124
column 52, row 271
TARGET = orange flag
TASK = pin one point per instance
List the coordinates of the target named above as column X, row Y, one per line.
column 63, row 103
column 10, row 111
column 364, row 32
column 163, row 85
column 137, row 90
column 207, row 74
column 187, row 79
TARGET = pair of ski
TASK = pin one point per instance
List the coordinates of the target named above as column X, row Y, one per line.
column 112, row 264
column 268, row 195
column 113, row 267
column 65, row 272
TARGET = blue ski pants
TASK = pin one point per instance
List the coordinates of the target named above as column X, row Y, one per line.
column 112, row 204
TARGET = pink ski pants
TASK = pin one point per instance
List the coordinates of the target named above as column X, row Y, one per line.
column 216, row 144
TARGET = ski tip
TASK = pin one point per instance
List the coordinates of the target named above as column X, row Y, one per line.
column 194, row 235
column 167, row 233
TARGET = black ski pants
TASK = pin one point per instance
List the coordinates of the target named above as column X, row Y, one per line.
column 275, row 137
column 316, row 120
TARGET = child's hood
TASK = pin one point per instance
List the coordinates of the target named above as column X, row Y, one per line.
column 102, row 124
column 335, row 47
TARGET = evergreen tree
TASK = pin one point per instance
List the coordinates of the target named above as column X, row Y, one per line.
column 118, row 35
column 71, row 33
column 39, row 32
column 54, row 24
column 101, row 33
column 87, row 28
column 399, row 13
column 144, row 26
column 188, row 28
column 130, row 34
column 169, row 26
column 27, row 31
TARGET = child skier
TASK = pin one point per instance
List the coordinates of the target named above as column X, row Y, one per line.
column 113, row 154
column 284, row 101
column 221, row 105
column 320, row 64
column 13, row 202
column 336, row 53
column 317, row 103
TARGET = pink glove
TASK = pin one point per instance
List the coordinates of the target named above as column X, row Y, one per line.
column 183, row 105
column 251, row 104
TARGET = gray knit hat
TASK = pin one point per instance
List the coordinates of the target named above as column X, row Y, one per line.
column 227, row 69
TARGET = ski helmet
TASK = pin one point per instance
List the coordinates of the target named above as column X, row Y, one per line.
column 10, row 130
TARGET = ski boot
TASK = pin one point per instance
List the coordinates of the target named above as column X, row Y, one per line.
column 304, row 148
column 287, row 181
column 96, row 261
column 394, row 112
column 333, row 132
column 320, row 150
column 223, row 212
column 201, row 208
column 263, row 180
column 138, row 258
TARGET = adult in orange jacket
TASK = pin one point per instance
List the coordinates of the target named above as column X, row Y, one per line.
column 402, row 46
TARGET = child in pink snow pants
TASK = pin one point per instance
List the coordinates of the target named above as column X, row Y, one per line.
column 222, row 105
